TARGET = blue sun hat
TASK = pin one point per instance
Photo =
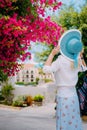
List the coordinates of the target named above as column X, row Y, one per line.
column 71, row 45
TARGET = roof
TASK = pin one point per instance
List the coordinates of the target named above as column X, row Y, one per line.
column 27, row 66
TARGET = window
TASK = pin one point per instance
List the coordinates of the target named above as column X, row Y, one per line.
column 27, row 76
column 23, row 80
column 32, row 80
column 27, row 72
column 17, row 80
column 32, row 76
column 32, row 72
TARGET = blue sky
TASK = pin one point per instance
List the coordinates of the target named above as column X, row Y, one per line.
column 35, row 47
column 76, row 4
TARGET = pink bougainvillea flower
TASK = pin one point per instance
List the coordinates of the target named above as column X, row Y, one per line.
column 16, row 32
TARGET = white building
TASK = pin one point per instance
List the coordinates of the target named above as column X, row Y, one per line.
column 29, row 73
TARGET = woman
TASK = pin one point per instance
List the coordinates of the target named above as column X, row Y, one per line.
column 65, row 70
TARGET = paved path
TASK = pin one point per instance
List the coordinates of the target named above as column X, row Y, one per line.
column 30, row 118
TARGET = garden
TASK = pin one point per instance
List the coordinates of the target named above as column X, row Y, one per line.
column 7, row 98
column 19, row 26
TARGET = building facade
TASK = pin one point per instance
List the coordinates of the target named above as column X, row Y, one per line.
column 29, row 73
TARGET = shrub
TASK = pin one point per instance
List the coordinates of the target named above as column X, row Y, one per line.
column 19, row 101
column 6, row 92
column 31, row 83
column 20, row 83
column 47, row 80
column 38, row 98
column 3, row 77
column 1, row 97
column 37, row 80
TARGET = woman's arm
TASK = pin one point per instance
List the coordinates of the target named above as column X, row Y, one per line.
column 50, row 66
column 51, row 56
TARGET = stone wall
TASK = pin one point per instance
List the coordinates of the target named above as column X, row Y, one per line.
column 47, row 90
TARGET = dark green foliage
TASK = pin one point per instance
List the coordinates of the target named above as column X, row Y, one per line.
column 83, row 15
column 3, row 77
column 7, row 93
column 80, row 82
column 20, row 83
column 69, row 18
column 29, row 83
column 1, row 97
column 24, row 7
column 37, row 80
column 20, row 7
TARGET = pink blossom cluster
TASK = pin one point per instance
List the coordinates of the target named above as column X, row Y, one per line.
column 12, row 43
column 44, row 31
column 17, row 32
column 42, row 4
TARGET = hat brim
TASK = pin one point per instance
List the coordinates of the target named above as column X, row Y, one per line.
column 68, row 35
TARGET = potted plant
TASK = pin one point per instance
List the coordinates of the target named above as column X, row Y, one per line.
column 29, row 100
column 38, row 99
